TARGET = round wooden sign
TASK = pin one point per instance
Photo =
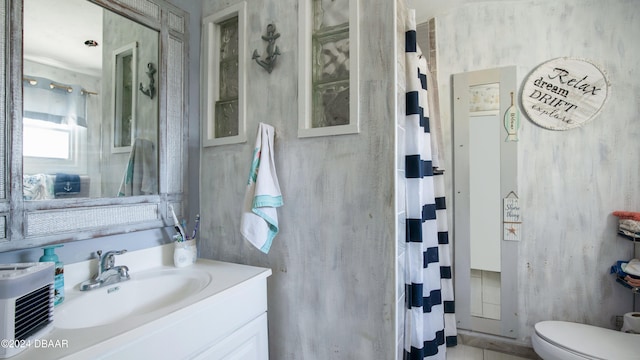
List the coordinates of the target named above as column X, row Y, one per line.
column 564, row 93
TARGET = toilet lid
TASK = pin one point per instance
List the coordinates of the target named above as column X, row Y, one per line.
column 590, row 341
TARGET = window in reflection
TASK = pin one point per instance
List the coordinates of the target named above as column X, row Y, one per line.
column 43, row 140
column 124, row 95
column 54, row 126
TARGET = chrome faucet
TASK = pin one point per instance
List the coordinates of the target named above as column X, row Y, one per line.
column 107, row 273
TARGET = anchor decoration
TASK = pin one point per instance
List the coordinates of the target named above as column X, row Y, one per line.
column 68, row 187
column 151, row 89
column 272, row 49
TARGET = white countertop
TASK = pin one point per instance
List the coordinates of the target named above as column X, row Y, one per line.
column 79, row 343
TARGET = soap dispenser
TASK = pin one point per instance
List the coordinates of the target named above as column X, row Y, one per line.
column 50, row 256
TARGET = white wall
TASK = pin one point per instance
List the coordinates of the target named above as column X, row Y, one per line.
column 569, row 181
column 332, row 292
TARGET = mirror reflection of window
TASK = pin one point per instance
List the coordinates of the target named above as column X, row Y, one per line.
column 43, row 140
column 80, row 54
column 124, row 95
column 125, row 84
column 54, row 140
column 54, row 127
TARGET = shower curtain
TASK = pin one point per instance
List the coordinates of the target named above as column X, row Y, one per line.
column 429, row 315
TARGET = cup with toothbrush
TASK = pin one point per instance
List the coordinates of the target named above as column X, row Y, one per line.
column 185, row 251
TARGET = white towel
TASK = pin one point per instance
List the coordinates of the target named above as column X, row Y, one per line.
column 259, row 223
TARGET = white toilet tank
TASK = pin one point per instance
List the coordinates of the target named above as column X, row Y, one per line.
column 562, row 340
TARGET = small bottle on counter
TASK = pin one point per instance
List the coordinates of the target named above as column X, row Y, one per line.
column 50, row 256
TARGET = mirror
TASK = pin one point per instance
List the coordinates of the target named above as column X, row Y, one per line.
column 159, row 29
column 88, row 131
column 485, row 174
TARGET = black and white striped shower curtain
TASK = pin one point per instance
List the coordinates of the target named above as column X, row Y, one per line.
column 429, row 315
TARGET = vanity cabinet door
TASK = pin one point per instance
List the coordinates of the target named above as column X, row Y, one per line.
column 250, row 342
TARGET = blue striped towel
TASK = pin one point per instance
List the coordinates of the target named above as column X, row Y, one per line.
column 259, row 223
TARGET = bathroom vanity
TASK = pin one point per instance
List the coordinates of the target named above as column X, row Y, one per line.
column 209, row 310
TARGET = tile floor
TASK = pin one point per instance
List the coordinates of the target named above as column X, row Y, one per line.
column 463, row 352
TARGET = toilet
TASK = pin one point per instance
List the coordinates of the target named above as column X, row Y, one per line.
column 562, row 340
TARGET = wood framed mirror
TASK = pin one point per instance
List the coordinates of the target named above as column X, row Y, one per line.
column 25, row 222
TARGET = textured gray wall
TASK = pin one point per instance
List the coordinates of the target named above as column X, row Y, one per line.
column 119, row 32
column 569, row 181
column 332, row 292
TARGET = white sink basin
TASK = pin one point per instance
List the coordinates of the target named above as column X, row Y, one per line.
column 144, row 293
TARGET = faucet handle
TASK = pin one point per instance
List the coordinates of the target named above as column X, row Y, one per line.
column 107, row 260
column 111, row 253
column 123, row 270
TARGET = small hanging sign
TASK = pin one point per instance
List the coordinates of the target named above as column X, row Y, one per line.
column 564, row 93
column 512, row 122
column 511, row 217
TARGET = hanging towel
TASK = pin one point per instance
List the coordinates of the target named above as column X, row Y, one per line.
column 259, row 222
column 141, row 175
